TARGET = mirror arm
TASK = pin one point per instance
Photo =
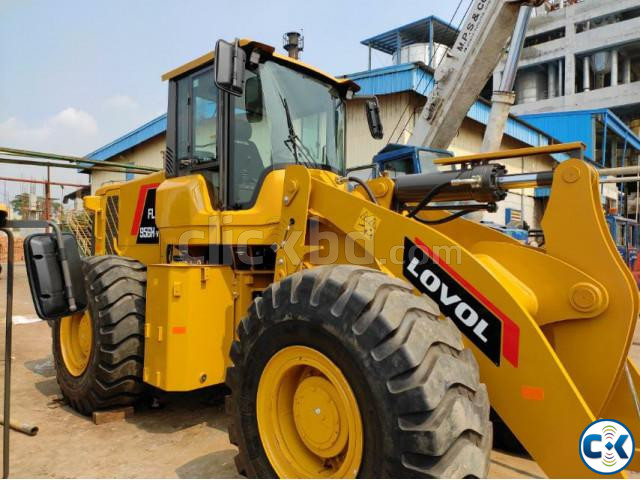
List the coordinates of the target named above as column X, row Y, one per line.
column 64, row 263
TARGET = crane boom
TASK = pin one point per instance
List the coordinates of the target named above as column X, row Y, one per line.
column 460, row 77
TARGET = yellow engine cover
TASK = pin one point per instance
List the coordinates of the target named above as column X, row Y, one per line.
column 189, row 325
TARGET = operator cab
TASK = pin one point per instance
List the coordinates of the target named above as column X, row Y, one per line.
column 253, row 111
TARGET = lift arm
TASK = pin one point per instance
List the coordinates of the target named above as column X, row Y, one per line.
column 459, row 79
column 538, row 320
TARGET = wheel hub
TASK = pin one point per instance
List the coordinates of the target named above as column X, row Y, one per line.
column 76, row 339
column 319, row 417
column 84, row 335
column 308, row 417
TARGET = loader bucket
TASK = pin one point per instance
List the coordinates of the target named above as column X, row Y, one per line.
column 583, row 299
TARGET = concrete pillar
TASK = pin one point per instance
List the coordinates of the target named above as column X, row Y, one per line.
column 551, row 81
column 586, row 74
column 614, row 153
column 627, row 70
column 570, row 74
column 561, row 77
column 614, row 68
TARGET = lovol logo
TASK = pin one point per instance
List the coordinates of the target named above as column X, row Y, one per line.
column 606, row 447
column 144, row 219
column 479, row 320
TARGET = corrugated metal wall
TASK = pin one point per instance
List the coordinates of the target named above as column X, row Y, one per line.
column 360, row 146
column 567, row 127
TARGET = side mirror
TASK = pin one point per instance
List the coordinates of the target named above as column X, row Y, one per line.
column 372, row 109
column 46, row 280
column 230, row 61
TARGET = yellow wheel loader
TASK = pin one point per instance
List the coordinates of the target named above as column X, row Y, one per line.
column 364, row 328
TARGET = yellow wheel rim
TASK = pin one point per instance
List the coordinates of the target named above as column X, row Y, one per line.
column 308, row 416
column 76, row 338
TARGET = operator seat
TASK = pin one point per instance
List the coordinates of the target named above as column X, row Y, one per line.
column 247, row 163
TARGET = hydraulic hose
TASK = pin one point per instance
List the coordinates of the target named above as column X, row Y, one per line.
column 364, row 185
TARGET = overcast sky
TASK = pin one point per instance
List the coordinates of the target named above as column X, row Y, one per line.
column 77, row 74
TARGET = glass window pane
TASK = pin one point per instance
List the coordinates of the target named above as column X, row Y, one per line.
column 283, row 117
column 205, row 103
column 251, row 149
column 397, row 168
column 182, row 127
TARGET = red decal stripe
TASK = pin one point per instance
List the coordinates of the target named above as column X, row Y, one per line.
column 137, row 216
column 510, row 330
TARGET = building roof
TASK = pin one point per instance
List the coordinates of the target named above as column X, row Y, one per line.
column 129, row 140
column 414, row 32
column 418, row 78
column 578, row 126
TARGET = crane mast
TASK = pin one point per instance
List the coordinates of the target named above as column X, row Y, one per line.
column 460, row 77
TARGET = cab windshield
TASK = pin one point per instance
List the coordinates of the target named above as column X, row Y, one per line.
column 283, row 117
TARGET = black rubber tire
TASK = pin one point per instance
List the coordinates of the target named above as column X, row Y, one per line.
column 116, row 288
column 424, row 411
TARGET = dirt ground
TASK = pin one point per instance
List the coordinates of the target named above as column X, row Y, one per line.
column 185, row 438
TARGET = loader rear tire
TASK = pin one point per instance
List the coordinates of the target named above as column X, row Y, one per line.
column 106, row 369
column 419, row 411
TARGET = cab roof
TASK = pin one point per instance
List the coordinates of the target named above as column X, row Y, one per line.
column 247, row 44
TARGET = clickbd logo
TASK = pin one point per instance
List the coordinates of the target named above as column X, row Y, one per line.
column 606, row 446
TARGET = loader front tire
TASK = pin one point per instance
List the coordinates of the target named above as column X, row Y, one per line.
column 341, row 371
column 98, row 354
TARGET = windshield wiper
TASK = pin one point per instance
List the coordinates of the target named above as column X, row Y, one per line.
column 293, row 142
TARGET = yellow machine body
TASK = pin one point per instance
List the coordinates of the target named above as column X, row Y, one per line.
column 191, row 319
column 567, row 310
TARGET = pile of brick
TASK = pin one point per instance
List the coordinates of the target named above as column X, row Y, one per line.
column 18, row 250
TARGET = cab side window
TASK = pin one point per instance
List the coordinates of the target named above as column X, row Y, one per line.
column 196, row 124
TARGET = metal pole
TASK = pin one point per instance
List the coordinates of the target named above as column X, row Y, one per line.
column 515, row 49
column 620, row 170
column 431, row 43
column 47, row 197
column 586, row 74
column 605, row 139
column 68, row 158
column 7, row 354
column 42, row 163
column 620, row 180
column 41, row 182
column 503, row 98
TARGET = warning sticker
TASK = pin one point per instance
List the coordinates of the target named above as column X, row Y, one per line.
column 367, row 224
